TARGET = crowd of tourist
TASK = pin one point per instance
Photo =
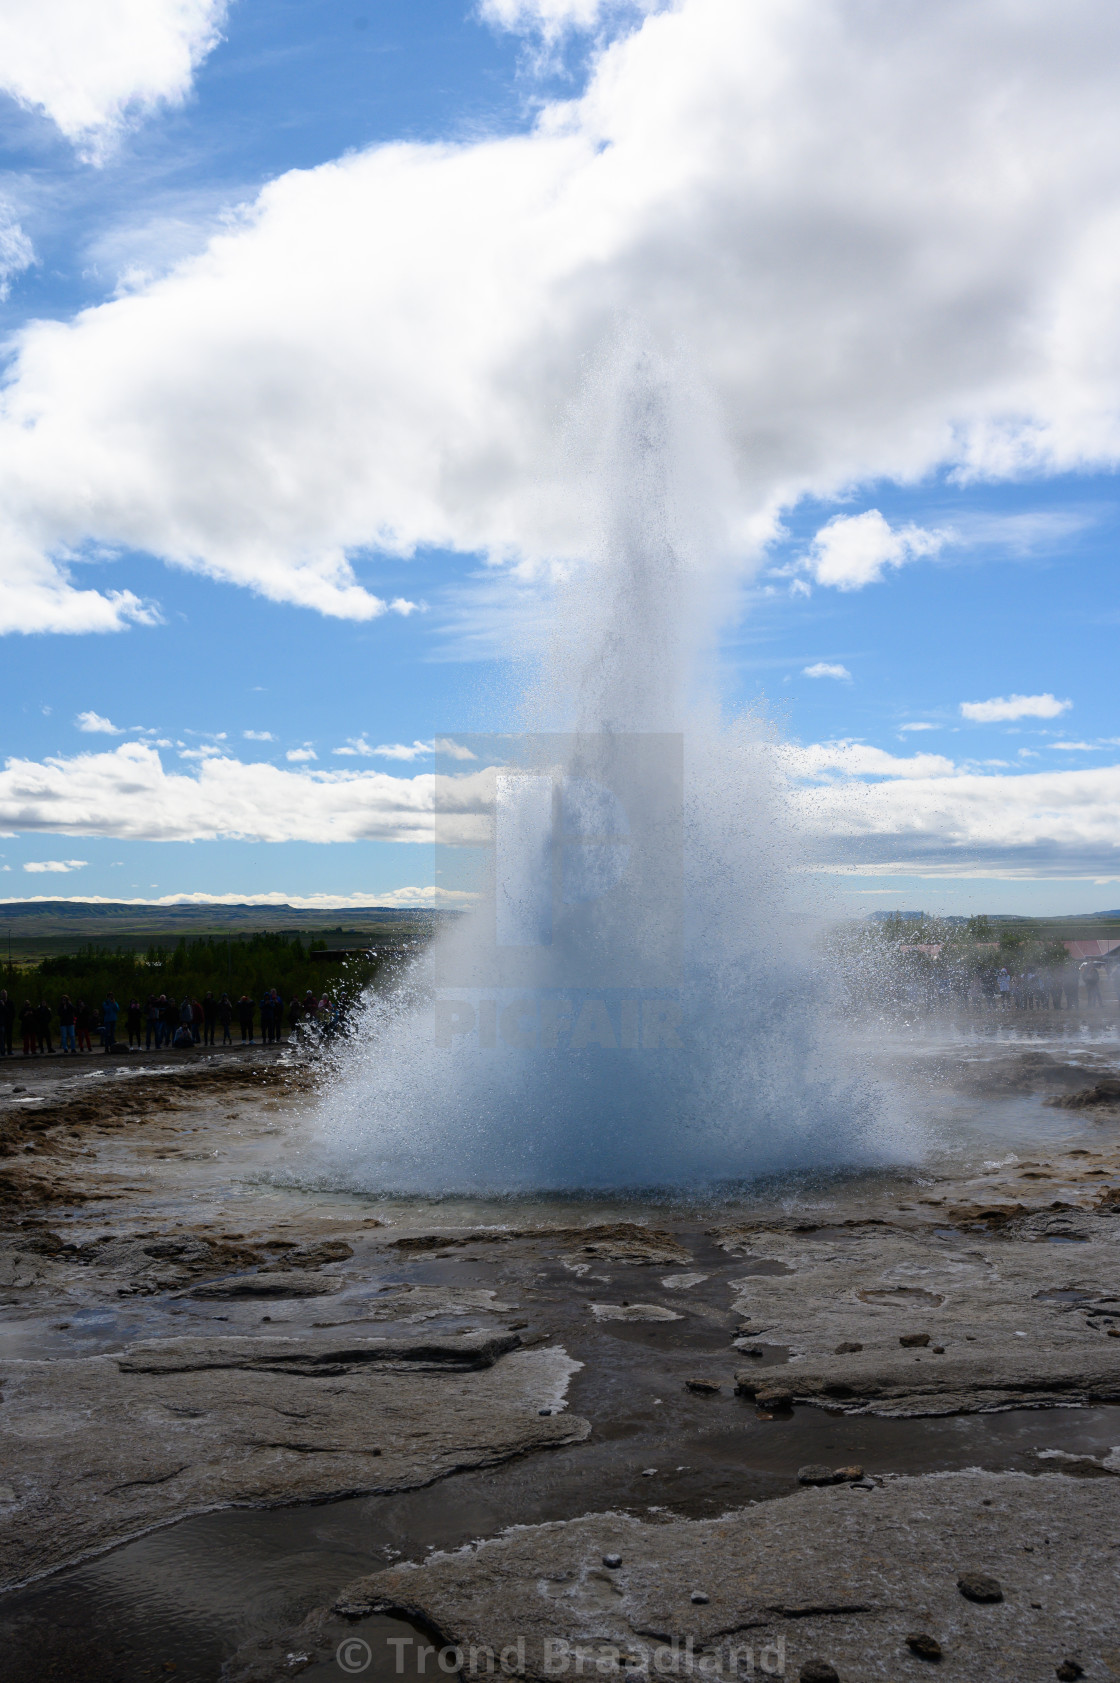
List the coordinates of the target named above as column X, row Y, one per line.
column 1054, row 987
column 161, row 1021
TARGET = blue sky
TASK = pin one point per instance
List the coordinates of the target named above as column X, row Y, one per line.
column 296, row 473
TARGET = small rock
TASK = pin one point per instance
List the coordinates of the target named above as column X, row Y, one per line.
column 544, row 1411
column 926, row 1647
column 649, row 1472
column 914, row 1340
column 699, row 1598
column 518, row 1326
column 614, row 1561
column 703, row 1387
column 818, row 1671
column 849, row 1475
column 976, row 1586
column 753, row 1350
column 939, row 1349
column 818, row 1475
column 847, row 1349
column 772, row 1400
column 1069, row 1670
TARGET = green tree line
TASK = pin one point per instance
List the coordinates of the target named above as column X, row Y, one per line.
column 246, row 965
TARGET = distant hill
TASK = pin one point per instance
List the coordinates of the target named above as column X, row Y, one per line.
column 56, row 926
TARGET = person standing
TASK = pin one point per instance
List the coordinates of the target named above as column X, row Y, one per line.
column 209, row 1017
column 295, row 1014
column 27, row 1028
column 133, row 1023
column 1092, row 979
column 245, row 1018
column 110, row 1011
column 167, row 1019
column 43, row 1016
column 7, row 1023
column 67, row 1017
column 225, row 1017
column 268, row 1031
column 151, row 1023
column 83, row 1019
column 197, row 1019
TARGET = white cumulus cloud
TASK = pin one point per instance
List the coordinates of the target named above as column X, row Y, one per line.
column 863, row 810
column 96, row 724
column 866, row 241
column 825, row 669
column 92, row 66
column 63, row 865
column 301, row 754
column 127, row 793
column 258, row 736
column 1064, row 823
column 1004, row 707
column 853, row 550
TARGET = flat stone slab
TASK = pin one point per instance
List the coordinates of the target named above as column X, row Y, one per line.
column 883, row 1320
column 840, row 1576
column 99, row 1450
column 911, row 1383
column 277, row 1282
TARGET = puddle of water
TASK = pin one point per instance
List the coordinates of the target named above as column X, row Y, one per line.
column 188, row 1595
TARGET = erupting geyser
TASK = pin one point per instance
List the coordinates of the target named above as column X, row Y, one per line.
column 633, row 1004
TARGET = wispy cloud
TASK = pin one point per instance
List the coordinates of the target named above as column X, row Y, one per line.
column 258, row 736
column 825, row 669
column 61, row 865
column 1001, row 708
column 453, row 750
column 357, row 745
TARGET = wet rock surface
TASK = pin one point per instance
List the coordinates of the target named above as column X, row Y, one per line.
column 835, row 1577
column 102, row 1448
column 181, row 1334
column 933, row 1320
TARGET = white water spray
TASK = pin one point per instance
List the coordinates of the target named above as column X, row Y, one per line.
column 667, row 1032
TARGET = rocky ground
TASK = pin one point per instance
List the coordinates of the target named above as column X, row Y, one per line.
column 182, row 1332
